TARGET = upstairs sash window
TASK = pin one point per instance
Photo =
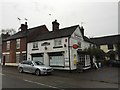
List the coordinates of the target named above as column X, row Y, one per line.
column 8, row 45
column 18, row 43
column 57, row 42
column 35, row 45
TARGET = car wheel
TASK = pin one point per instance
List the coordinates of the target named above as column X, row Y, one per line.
column 20, row 70
column 37, row 72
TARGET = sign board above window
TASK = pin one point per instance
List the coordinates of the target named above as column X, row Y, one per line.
column 45, row 44
column 76, row 36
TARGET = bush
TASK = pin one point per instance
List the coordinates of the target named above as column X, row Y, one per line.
column 98, row 53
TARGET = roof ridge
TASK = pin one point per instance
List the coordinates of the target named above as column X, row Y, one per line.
column 105, row 36
column 67, row 31
column 37, row 26
column 70, row 26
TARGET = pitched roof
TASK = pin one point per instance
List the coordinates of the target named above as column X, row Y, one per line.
column 88, row 40
column 26, row 33
column 56, row 34
column 36, row 31
column 19, row 34
column 107, row 39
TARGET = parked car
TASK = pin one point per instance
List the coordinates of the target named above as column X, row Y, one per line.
column 36, row 67
column 114, row 63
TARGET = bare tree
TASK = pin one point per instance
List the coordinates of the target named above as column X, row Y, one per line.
column 9, row 31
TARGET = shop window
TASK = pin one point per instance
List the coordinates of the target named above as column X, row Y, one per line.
column 87, row 60
column 38, row 57
column 57, row 42
column 82, row 59
column 8, row 45
column 18, row 43
column 56, row 61
column 35, row 45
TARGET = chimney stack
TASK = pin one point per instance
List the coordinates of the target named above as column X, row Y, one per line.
column 82, row 30
column 24, row 26
column 4, row 36
column 55, row 25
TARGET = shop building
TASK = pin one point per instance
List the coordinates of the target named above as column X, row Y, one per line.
column 61, row 48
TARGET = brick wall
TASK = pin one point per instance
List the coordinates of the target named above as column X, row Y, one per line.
column 13, row 50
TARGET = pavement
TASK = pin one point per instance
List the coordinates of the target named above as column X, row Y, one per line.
column 105, row 77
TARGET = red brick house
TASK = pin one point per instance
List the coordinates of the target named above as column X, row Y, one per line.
column 14, row 48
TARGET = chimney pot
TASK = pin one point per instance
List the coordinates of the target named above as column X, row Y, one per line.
column 55, row 25
column 25, row 23
column 24, row 26
column 82, row 30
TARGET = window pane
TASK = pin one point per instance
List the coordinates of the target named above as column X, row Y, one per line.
column 57, row 42
column 18, row 43
column 35, row 45
column 8, row 45
column 56, row 61
column 17, row 58
column 7, row 58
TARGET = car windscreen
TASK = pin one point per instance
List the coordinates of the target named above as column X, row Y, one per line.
column 38, row 63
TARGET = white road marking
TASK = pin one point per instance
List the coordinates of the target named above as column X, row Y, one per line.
column 43, row 84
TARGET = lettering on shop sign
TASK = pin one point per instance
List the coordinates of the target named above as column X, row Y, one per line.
column 45, row 44
column 76, row 36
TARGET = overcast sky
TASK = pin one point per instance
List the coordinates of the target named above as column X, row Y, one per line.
column 99, row 17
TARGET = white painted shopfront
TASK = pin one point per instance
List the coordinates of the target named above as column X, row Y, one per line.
column 58, row 52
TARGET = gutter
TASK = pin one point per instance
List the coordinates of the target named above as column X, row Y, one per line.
column 69, row 52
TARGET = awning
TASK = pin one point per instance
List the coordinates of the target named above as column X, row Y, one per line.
column 37, row 55
column 55, row 53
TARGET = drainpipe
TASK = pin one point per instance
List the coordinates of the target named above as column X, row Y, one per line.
column 69, row 53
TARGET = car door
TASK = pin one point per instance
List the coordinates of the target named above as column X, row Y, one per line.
column 25, row 66
column 31, row 67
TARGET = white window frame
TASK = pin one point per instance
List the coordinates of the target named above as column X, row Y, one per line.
column 8, row 45
column 57, row 42
column 35, row 45
column 56, row 60
column 17, row 57
column 7, row 58
column 18, row 43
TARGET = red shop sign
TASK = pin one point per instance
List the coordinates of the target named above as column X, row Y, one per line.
column 75, row 46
